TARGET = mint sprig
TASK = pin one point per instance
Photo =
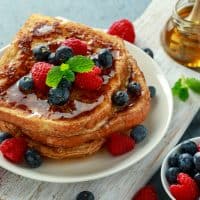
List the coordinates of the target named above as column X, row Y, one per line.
column 80, row 64
column 183, row 85
column 54, row 76
column 67, row 70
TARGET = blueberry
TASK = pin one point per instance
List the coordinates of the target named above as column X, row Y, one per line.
column 4, row 136
column 120, row 98
column 149, row 52
column 171, row 174
column 52, row 59
column 185, row 162
column 63, row 53
column 196, row 160
column 96, row 62
column 197, row 177
column 188, row 147
column 64, row 83
column 173, row 159
column 33, row 158
column 58, row 96
column 138, row 133
column 152, row 91
column 85, row 195
column 105, row 58
column 26, row 84
column 41, row 52
column 134, row 89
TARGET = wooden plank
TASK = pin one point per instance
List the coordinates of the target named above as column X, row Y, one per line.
column 120, row 186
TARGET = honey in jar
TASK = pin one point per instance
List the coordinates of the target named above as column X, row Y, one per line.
column 181, row 36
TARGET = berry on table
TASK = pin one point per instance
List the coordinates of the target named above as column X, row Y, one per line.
column 188, row 147
column 4, row 136
column 119, row 144
column 120, row 98
column 171, row 174
column 134, row 89
column 41, row 52
column 146, row 193
column 89, row 80
column 26, row 84
column 14, row 149
column 149, row 52
column 33, row 158
column 39, row 73
column 185, row 162
column 63, row 53
column 197, row 178
column 196, row 160
column 173, row 159
column 138, row 133
column 58, row 96
column 124, row 29
column 78, row 47
column 186, row 189
column 152, row 91
column 105, row 58
column 85, row 195
column 198, row 147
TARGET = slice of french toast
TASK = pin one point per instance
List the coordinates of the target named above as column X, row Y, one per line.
column 89, row 116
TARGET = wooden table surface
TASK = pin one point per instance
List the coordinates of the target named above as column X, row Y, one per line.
column 120, row 186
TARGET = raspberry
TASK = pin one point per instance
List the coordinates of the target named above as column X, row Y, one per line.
column 146, row 193
column 89, row 80
column 119, row 144
column 186, row 189
column 39, row 73
column 198, row 147
column 14, row 149
column 79, row 47
column 124, row 29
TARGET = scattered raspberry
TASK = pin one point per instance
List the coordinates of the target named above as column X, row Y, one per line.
column 186, row 189
column 79, row 47
column 14, row 149
column 198, row 147
column 146, row 193
column 90, row 80
column 39, row 73
column 124, row 29
column 119, row 144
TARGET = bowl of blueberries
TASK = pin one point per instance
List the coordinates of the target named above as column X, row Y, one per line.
column 180, row 171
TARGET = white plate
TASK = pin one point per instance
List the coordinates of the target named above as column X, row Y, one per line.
column 102, row 164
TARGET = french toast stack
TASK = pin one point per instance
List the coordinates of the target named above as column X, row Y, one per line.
column 81, row 127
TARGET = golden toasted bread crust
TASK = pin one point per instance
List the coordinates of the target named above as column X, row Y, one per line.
column 75, row 134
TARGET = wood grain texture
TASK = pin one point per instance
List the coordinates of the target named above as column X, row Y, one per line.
column 123, row 185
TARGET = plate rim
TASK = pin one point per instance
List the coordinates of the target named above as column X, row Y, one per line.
column 110, row 171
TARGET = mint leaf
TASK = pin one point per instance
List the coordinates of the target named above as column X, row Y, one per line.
column 176, row 88
column 54, row 77
column 183, row 94
column 69, row 75
column 180, row 89
column 80, row 64
column 64, row 67
column 193, row 84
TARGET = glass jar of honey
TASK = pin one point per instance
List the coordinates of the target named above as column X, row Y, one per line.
column 181, row 35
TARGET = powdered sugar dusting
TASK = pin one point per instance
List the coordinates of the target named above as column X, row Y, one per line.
column 45, row 29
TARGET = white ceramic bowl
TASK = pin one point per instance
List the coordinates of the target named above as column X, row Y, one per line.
column 103, row 164
column 165, row 166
